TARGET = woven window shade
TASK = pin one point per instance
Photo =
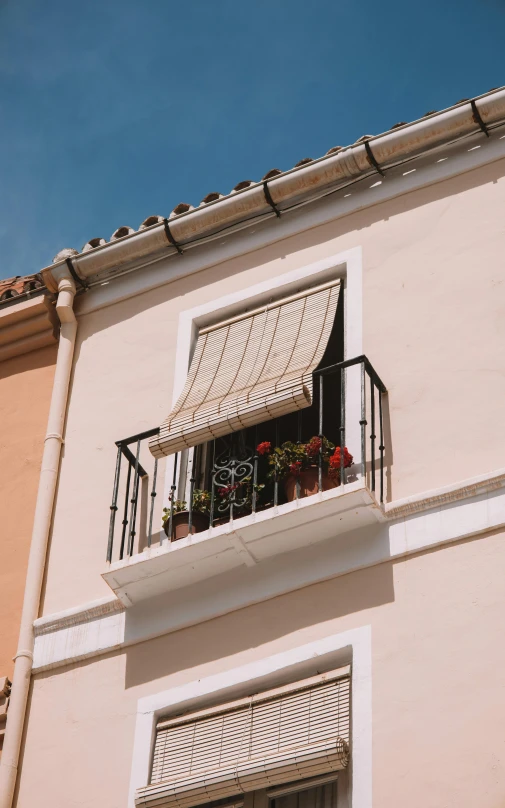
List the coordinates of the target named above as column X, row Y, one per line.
column 250, row 369
column 259, row 742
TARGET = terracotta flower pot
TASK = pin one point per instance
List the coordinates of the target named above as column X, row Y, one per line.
column 308, row 479
column 180, row 524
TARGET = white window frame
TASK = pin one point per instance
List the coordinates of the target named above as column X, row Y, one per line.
column 349, row 647
column 345, row 265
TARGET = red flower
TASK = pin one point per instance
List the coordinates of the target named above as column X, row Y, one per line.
column 227, row 489
column 335, row 459
column 295, row 467
column 264, row 448
column 313, row 447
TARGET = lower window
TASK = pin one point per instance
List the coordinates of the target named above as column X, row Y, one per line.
column 282, row 748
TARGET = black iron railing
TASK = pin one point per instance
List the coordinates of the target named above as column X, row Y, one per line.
column 228, row 478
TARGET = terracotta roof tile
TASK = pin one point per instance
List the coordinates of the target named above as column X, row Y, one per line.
column 19, row 285
column 121, row 232
column 185, row 207
column 182, row 207
column 92, row 243
column 150, row 221
column 212, row 197
column 274, row 172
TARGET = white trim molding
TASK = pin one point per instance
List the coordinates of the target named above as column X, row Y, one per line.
column 354, row 647
column 439, row 517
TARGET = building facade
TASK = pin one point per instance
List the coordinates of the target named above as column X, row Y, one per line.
column 330, row 633
column 28, row 337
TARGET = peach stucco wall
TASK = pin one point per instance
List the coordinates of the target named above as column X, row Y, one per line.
column 433, row 326
column 438, row 680
column 25, row 390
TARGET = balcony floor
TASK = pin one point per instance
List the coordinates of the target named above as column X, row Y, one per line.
column 249, row 540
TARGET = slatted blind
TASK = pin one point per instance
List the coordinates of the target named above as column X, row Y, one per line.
column 250, row 369
column 269, row 739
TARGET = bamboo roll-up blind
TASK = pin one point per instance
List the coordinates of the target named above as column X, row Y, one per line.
column 250, row 369
column 269, row 739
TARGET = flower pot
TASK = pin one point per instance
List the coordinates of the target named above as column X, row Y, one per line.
column 308, row 479
column 180, row 524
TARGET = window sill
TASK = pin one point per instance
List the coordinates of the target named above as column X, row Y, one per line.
column 250, row 540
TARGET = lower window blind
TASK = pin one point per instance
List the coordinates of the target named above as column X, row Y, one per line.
column 281, row 736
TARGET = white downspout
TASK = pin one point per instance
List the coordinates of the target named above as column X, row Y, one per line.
column 23, row 660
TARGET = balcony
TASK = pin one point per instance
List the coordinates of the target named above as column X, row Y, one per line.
column 262, row 492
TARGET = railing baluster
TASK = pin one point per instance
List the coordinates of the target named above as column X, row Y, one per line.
column 212, row 485
column 153, row 495
column 113, row 507
column 343, row 473
column 276, row 481
column 299, row 440
column 372, row 432
column 321, row 435
column 133, row 511
column 173, row 488
column 255, row 471
column 363, row 422
column 125, row 512
column 192, row 480
column 381, row 448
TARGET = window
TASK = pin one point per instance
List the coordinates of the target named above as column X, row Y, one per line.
column 316, row 792
column 251, row 368
column 264, row 741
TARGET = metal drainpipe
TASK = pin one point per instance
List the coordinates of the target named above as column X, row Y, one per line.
column 23, row 660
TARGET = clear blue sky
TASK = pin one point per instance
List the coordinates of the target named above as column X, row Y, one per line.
column 113, row 111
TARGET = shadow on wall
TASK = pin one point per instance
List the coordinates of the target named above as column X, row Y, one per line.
column 272, row 620
column 26, row 363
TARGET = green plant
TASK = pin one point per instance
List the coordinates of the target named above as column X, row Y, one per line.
column 201, row 503
column 240, row 495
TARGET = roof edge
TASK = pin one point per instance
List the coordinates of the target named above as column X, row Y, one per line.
column 283, row 191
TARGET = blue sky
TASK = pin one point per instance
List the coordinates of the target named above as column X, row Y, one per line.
column 113, row 111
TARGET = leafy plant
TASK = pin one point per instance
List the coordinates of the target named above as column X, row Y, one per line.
column 240, row 495
column 201, row 503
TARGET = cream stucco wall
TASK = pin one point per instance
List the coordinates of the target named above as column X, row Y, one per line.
column 437, row 683
column 26, row 383
column 433, row 326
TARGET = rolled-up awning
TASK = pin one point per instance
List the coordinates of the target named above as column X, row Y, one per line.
column 251, row 368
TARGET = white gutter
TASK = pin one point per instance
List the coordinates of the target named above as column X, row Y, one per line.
column 23, row 660
column 292, row 187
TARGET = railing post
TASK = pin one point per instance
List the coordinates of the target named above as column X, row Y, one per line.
column 133, row 511
column 191, row 490
column 276, row 480
column 153, row 495
column 125, row 513
column 321, row 436
column 212, row 485
column 173, row 488
column 381, row 447
column 372, row 431
column 343, row 473
column 113, row 507
column 255, row 471
column 363, row 422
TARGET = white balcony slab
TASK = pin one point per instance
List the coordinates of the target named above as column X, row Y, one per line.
column 246, row 541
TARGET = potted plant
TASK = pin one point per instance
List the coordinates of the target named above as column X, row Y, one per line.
column 297, row 464
column 180, row 515
column 238, row 495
